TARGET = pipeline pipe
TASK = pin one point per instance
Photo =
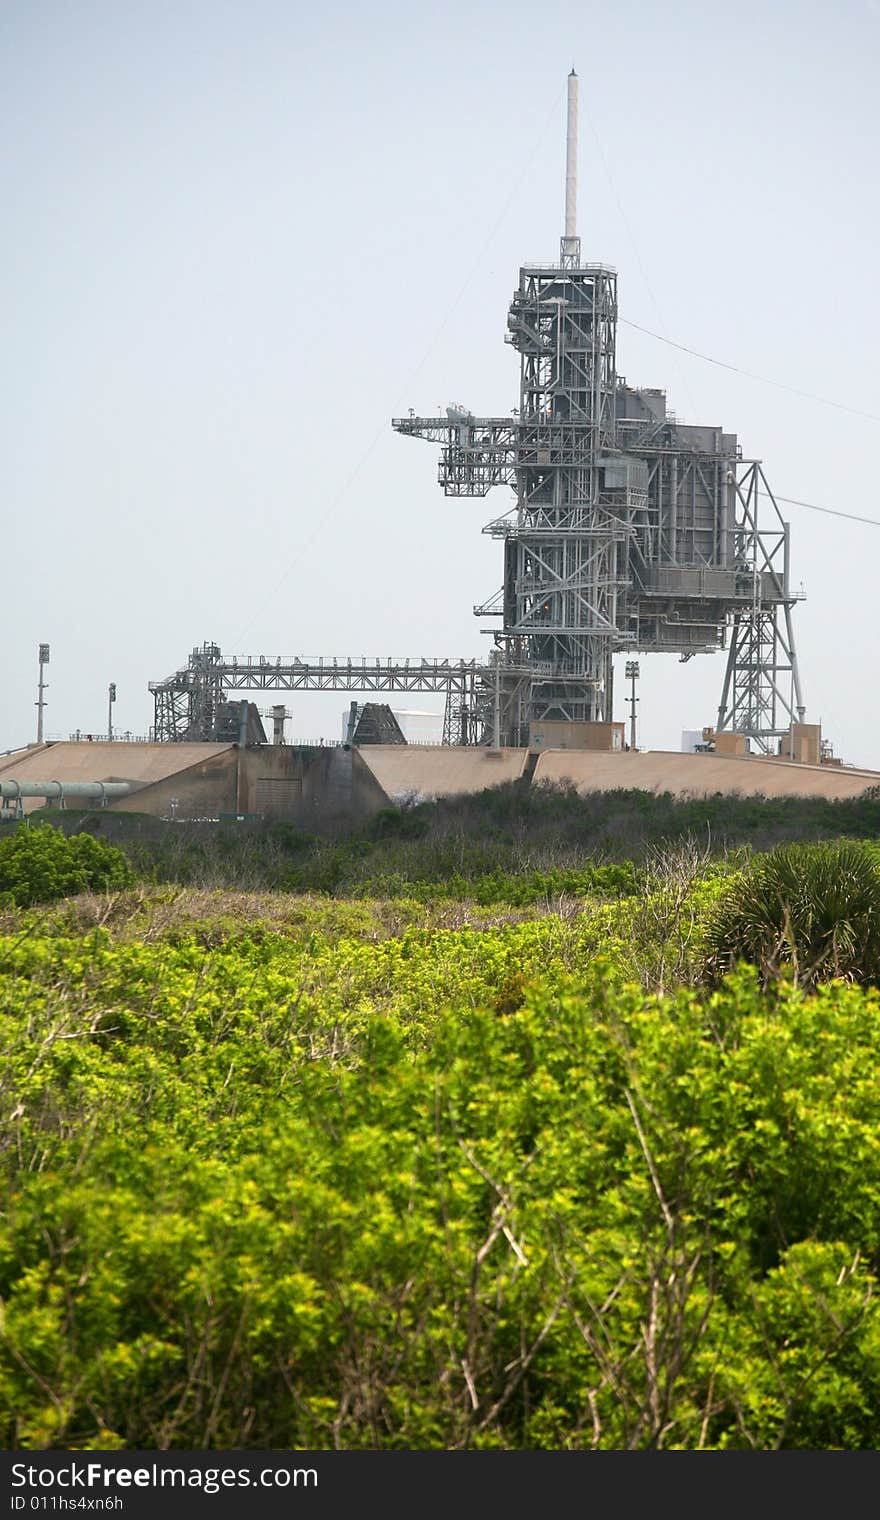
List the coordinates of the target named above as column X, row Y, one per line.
column 103, row 790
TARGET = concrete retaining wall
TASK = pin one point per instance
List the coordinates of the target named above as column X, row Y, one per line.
column 408, row 771
column 319, row 785
column 700, row 775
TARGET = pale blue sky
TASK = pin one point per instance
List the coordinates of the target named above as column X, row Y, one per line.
column 240, row 237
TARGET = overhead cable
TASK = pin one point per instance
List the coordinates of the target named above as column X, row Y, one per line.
column 778, row 385
column 792, row 501
column 339, row 496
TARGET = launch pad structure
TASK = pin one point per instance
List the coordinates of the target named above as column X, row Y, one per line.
column 630, row 531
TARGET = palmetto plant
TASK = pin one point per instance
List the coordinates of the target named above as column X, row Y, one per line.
column 811, row 910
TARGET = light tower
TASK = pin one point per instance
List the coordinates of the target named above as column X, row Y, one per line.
column 632, row 673
column 42, row 687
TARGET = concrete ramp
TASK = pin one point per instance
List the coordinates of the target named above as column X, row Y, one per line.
column 14, row 757
column 144, row 763
column 141, row 764
column 699, row 775
column 421, row 773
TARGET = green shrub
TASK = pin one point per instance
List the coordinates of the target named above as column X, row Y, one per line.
column 430, row 1193
column 809, row 909
column 514, row 889
column 453, row 846
column 40, row 864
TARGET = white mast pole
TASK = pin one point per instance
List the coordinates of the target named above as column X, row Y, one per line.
column 571, row 159
column 570, row 248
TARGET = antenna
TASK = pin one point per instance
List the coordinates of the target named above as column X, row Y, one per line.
column 570, row 245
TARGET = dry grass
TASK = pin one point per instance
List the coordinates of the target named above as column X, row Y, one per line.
column 148, row 914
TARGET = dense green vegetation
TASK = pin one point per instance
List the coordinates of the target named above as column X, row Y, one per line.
column 520, row 1159
column 39, row 864
column 506, row 842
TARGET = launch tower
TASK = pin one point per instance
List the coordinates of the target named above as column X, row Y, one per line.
column 630, row 530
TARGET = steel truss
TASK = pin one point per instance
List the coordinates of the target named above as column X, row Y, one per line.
column 187, row 704
column 761, row 696
column 187, row 701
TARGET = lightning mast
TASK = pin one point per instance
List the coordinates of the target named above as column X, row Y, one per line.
column 570, row 247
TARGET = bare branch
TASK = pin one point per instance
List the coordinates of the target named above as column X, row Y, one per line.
column 650, row 1163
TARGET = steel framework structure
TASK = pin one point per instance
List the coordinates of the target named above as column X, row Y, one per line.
column 630, row 531
column 671, row 557
column 761, row 695
column 565, row 547
column 188, row 701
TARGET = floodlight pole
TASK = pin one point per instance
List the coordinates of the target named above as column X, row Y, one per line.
column 632, row 675
column 42, row 686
